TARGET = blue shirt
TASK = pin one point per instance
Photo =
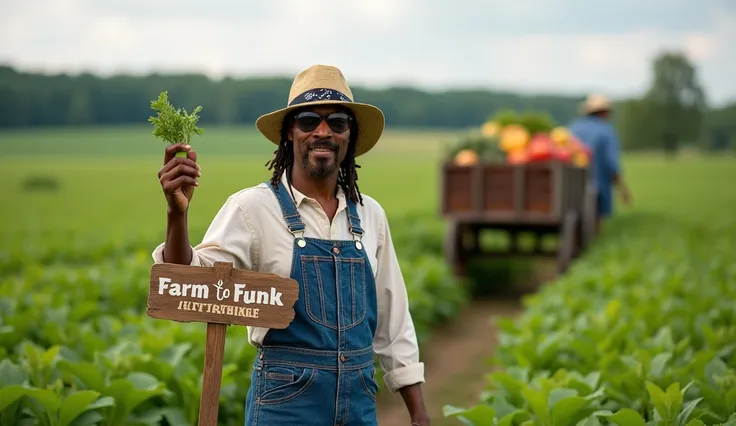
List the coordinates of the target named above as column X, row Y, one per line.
column 600, row 136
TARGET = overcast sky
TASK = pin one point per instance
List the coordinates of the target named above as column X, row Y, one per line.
column 541, row 45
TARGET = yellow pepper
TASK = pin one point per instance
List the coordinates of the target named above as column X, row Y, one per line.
column 514, row 137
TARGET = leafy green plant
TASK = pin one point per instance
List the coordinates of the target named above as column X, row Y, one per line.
column 533, row 121
column 174, row 125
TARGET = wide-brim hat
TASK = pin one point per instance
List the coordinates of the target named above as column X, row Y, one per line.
column 325, row 85
column 595, row 102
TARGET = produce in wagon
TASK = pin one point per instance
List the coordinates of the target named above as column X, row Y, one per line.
column 466, row 157
column 541, row 148
column 581, row 153
column 489, row 129
column 562, row 153
column 513, row 137
column 560, row 135
column 485, row 150
column 517, row 139
column 517, row 156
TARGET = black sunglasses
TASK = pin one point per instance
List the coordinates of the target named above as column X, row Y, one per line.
column 307, row 121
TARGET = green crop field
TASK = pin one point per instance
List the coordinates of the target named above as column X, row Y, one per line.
column 85, row 210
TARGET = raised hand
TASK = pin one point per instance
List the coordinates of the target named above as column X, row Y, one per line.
column 179, row 176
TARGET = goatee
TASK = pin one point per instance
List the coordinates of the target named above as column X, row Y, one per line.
column 320, row 170
column 323, row 168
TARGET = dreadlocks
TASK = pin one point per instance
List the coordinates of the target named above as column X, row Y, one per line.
column 347, row 177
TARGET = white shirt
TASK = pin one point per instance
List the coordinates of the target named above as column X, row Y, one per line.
column 249, row 231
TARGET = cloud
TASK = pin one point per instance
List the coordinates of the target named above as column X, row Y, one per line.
column 548, row 45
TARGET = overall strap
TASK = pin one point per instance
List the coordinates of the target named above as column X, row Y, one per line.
column 354, row 220
column 288, row 209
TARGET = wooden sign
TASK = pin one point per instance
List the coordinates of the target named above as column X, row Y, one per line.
column 219, row 296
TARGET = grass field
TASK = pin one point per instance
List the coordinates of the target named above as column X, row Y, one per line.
column 107, row 178
column 107, row 192
column 84, row 203
column 106, row 186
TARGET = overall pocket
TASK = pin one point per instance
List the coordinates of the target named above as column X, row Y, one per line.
column 368, row 381
column 281, row 384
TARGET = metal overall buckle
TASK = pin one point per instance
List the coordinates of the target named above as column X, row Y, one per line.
column 299, row 235
column 356, row 238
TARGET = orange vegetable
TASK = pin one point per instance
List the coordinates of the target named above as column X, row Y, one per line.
column 466, row 157
column 513, row 137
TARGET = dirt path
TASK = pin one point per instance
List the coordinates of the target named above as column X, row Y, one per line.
column 455, row 363
column 456, row 358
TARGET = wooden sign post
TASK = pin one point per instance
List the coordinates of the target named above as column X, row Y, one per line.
column 219, row 296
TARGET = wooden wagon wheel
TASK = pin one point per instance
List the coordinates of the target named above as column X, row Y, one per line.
column 453, row 247
column 569, row 241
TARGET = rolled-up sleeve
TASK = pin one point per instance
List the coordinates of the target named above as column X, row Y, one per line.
column 396, row 341
column 229, row 238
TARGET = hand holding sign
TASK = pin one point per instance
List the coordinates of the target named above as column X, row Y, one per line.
column 220, row 295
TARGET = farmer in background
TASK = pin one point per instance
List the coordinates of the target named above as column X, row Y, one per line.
column 310, row 222
column 595, row 130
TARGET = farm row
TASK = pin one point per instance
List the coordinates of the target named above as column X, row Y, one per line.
column 642, row 329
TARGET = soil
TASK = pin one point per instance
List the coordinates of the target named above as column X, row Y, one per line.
column 457, row 356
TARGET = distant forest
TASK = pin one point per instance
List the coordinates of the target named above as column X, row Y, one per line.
column 34, row 100
column 28, row 99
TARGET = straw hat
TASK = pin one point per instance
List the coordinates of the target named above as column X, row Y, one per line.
column 595, row 102
column 325, row 85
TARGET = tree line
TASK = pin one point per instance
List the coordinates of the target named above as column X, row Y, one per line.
column 674, row 112
column 29, row 100
column 671, row 113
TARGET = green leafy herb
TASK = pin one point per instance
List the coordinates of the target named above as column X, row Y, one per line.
column 172, row 125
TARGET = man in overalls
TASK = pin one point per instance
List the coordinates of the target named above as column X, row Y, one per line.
column 594, row 129
column 310, row 222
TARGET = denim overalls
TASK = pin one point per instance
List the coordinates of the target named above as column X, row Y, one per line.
column 319, row 370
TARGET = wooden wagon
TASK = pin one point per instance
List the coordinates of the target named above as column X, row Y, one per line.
column 534, row 199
